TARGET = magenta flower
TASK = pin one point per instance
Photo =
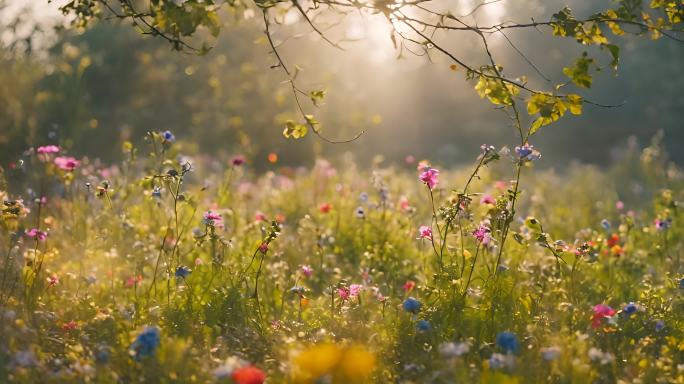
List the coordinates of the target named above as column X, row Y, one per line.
column 483, row 234
column 307, row 270
column 47, row 149
column 430, row 177
column 425, row 232
column 212, row 219
column 37, row 234
column 601, row 311
column 66, row 163
column 343, row 292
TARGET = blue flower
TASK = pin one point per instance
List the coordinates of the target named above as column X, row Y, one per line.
column 168, row 136
column 508, row 342
column 411, row 305
column 681, row 284
column 363, row 197
column 605, row 224
column 156, row 192
column 659, row 325
column 102, row 355
column 423, row 326
column 183, row 272
column 145, row 343
column 630, row 309
column 527, row 153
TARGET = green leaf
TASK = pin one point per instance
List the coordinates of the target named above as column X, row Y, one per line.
column 294, row 130
column 615, row 53
column 579, row 74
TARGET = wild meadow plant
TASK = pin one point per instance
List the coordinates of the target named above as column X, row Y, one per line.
column 172, row 268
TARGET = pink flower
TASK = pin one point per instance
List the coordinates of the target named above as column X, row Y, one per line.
column 307, row 270
column 409, row 285
column 601, row 311
column 133, row 281
column 404, row 204
column 66, row 163
column 429, row 177
column 343, row 292
column 423, row 166
column 263, row 248
column 259, row 216
column 46, row 149
column 52, row 280
column 425, row 232
column 355, row 290
column 488, row 199
column 409, row 159
column 212, row 219
column 483, row 234
column 36, row 233
column 619, row 205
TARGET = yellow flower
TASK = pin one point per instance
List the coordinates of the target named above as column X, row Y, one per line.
column 356, row 363
column 344, row 365
column 316, row 361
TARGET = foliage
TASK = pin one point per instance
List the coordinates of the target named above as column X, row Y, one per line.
column 163, row 268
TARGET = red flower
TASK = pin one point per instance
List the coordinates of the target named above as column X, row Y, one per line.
column 324, row 208
column 409, row 285
column 601, row 311
column 613, row 240
column 249, row 375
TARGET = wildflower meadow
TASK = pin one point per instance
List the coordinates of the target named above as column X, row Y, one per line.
column 166, row 268
column 178, row 204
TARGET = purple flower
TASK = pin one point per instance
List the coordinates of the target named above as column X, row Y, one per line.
column 37, row 234
column 527, row 152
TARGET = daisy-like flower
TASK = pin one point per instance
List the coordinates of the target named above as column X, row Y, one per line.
column 425, row 232
column 66, row 163
column 452, row 350
column 47, row 149
column 430, row 177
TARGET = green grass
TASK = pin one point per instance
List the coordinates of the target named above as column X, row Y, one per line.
column 115, row 250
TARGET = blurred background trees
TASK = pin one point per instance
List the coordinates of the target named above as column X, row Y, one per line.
column 92, row 89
